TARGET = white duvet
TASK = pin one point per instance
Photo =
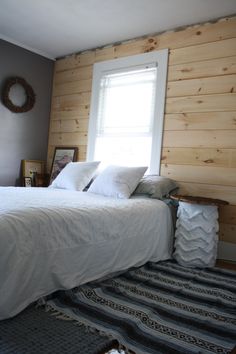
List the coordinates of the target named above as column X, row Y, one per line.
column 53, row 239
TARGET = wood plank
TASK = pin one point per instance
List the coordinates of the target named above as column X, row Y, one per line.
column 227, row 214
column 227, row 193
column 71, row 102
column 213, row 50
column 133, row 47
column 192, row 35
column 199, row 157
column 225, row 139
column 201, row 103
column 67, row 115
column 102, row 54
column 73, row 87
column 197, row 34
column 82, row 110
column 206, row 68
column 227, row 233
column 69, row 126
column 203, row 86
column 82, row 152
column 200, row 121
column 75, row 61
column 75, row 139
column 200, row 174
column 83, row 73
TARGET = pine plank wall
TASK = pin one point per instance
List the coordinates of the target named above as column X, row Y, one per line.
column 199, row 143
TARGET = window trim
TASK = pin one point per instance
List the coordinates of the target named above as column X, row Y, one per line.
column 160, row 58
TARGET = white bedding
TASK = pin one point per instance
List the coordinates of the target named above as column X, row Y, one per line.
column 53, row 239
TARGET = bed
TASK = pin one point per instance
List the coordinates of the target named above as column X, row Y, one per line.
column 53, row 239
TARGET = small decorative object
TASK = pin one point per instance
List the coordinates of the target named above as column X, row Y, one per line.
column 27, row 182
column 41, row 180
column 62, row 156
column 31, row 167
column 196, row 236
column 29, row 93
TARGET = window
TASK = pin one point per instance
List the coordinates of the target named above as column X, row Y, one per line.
column 126, row 120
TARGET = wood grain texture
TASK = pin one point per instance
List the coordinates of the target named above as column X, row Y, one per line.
column 83, row 73
column 69, row 88
column 69, row 126
column 227, row 193
column 200, row 174
column 68, row 139
column 200, row 121
column 228, row 214
column 199, row 157
column 203, row 86
column 199, row 69
column 201, row 103
column 74, row 61
column 199, row 140
column 71, row 114
column 206, row 51
column 227, row 233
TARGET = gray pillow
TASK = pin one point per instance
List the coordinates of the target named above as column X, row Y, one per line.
column 156, row 186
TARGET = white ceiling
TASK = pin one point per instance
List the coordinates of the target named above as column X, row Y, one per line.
column 54, row 28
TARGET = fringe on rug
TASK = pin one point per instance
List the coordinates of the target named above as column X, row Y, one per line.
column 114, row 348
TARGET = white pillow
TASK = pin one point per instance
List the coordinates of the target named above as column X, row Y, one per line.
column 117, row 181
column 75, row 175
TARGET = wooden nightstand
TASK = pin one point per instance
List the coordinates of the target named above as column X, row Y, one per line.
column 196, row 236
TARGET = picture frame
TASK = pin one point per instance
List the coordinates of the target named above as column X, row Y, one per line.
column 62, row 156
column 27, row 182
column 31, row 167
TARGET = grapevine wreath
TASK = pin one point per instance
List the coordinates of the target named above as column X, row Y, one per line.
column 30, row 95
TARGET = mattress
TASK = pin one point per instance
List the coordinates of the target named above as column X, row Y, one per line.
column 53, row 239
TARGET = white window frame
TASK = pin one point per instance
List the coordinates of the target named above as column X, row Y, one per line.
column 160, row 59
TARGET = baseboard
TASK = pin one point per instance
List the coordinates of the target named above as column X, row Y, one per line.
column 227, row 251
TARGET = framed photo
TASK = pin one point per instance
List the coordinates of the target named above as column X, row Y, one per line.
column 62, row 156
column 30, row 167
column 27, row 181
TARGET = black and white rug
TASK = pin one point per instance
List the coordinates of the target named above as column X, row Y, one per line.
column 35, row 331
column 159, row 308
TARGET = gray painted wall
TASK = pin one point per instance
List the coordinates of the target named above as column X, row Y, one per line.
column 24, row 135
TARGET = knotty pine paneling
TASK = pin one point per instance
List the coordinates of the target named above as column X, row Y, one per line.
column 203, row 86
column 209, row 191
column 200, row 121
column 200, row 174
column 201, row 103
column 200, row 138
column 70, row 125
column 83, row 73
column 199, row 141
column 199, row 157
column 206, row 51
column 202, row 69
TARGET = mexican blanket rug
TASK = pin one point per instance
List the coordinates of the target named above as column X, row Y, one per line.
column 158, row 308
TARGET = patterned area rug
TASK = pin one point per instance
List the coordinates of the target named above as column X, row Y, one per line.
column 35, row 331
column 159, row 308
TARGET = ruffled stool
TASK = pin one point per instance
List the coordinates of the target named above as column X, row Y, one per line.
column 196, row 236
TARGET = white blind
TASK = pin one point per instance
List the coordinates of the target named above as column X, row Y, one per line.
column 125, row 116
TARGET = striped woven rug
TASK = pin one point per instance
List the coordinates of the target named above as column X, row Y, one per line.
column 159, row 308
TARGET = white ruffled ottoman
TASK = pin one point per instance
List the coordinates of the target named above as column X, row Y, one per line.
column 196, row 236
